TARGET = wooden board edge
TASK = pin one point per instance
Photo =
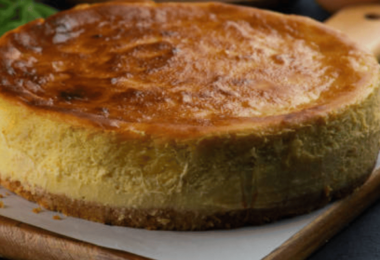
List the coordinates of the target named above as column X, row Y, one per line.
column 329, row 223
column 19, row 241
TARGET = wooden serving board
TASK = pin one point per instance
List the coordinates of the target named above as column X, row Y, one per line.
column 23, row 241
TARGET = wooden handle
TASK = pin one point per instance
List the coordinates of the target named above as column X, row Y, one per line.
column 362, row 24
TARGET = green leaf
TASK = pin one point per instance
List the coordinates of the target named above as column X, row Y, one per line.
column 18, row 12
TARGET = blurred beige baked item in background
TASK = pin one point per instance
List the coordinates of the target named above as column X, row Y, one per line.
column 257, row 3
column 335, row 5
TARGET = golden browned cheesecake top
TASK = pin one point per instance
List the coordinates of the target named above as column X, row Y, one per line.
column 188, row 65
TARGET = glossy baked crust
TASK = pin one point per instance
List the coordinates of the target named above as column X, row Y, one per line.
column 162, row 111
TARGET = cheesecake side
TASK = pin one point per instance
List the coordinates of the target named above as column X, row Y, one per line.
column 102, row 176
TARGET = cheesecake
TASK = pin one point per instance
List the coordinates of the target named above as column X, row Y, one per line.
column 184, row 116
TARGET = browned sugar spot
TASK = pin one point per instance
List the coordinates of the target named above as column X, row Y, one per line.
column 37, row 210
column 56, row 217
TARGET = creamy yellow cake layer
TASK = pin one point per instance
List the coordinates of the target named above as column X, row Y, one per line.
column 184, row 116
column 211, row 173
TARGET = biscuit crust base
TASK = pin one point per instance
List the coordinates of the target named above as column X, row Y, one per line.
column 169, row 219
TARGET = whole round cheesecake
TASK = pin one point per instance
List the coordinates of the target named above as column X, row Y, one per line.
column 183, row 116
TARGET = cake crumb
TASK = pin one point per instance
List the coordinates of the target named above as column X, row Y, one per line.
column 37, row 210
column 56, row 217
column 2, row 204
column 1, row 196
column 7, row 194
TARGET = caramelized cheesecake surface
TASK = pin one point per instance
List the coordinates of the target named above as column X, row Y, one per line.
column 199, row 65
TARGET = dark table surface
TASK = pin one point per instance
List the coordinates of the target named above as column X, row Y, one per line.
column 361, row 238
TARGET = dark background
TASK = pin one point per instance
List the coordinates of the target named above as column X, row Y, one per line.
column 361, row 238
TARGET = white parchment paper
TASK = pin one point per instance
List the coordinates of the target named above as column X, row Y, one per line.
column 243, row 243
